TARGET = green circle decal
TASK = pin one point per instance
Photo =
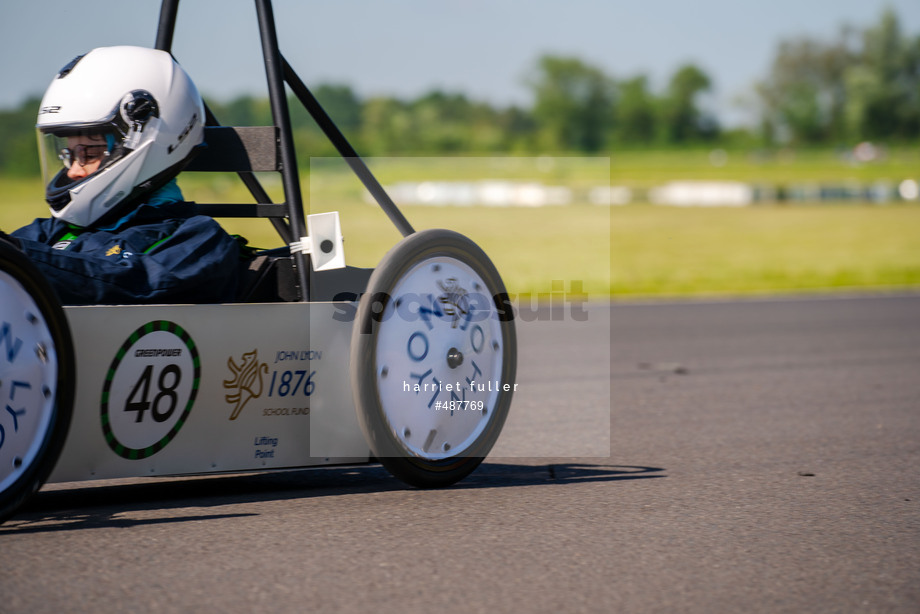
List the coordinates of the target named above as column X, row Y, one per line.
column 149, row 389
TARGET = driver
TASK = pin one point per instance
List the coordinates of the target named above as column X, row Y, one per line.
column 115, row 127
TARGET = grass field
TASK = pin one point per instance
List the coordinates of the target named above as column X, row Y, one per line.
column 624, row 252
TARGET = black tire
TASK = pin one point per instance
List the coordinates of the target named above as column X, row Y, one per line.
column 474, row 299
column 36, row 379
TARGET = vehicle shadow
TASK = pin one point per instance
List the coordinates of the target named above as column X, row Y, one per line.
column 92, row 506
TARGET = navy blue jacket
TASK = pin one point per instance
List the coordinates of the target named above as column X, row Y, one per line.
column 160, row 252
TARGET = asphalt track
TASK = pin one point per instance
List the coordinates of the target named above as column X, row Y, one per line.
column 764, row 456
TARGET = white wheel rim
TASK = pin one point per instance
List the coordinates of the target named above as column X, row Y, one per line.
column 440, row 328
column 28, row 378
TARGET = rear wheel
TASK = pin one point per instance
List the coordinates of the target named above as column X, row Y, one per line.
column 433, row 358
column 36, row 379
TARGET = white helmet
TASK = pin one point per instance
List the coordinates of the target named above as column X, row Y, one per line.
column 150, row 114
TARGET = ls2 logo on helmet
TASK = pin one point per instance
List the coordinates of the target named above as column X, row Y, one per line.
column 188, row 128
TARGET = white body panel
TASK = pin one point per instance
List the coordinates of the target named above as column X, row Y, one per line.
column 272, row 390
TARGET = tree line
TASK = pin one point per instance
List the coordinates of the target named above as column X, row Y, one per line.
column 863, row 85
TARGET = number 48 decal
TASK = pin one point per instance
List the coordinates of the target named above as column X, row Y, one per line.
column 166, row 390
column 150, row 389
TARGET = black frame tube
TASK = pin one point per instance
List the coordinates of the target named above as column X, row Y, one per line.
column 277, row 73
column 345, row 149
column 167, row 25
column 282, row 119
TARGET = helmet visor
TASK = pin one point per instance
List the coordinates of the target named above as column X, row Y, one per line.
column 80, row 154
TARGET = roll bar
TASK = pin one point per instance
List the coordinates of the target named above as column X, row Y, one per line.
column 246, row 150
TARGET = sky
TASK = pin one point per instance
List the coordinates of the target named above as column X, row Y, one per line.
column 483, row 48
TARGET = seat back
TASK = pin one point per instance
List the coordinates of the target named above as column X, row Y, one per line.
column 246, row 149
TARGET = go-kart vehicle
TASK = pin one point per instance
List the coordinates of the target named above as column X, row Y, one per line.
column 411, row 364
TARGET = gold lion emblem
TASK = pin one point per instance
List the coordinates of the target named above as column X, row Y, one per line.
column 246, row 383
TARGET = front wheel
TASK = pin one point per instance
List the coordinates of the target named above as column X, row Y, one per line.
column 433, row 358
column 36, row 379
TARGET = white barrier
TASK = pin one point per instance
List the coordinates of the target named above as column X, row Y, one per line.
column 490, row 193
column 501, row 193
column 702, row 194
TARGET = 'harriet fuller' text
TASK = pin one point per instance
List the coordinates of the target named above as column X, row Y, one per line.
column 473, row 386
